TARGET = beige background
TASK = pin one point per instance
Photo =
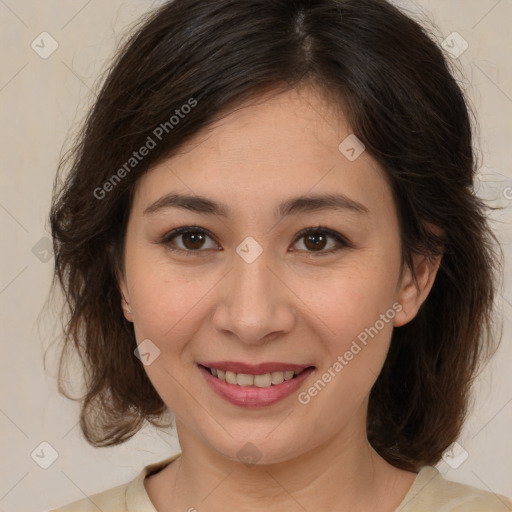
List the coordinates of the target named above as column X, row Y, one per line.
column 41, row 100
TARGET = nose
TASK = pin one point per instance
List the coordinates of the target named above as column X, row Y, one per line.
column 254, row 304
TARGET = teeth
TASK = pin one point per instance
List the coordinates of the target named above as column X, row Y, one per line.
column 277, row 377
column 243, row 379
column 230, row 377
column 261, row 381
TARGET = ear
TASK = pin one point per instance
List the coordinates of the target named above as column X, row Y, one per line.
column 125, row 298
column 412, row 296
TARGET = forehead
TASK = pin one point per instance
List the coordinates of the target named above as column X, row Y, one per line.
column 266, row 151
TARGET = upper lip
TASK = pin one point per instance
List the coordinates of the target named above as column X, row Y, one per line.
column 254, row 369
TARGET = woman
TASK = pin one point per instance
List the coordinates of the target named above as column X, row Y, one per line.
column 269, row 229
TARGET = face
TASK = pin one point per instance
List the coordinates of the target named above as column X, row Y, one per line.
column 261, row 277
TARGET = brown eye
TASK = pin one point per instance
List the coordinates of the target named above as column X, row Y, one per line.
column 188, row 240
column 315, row 240
column 193, row 240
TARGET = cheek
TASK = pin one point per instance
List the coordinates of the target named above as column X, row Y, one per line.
column 168, row 311
column 165, row 299
column 348, row 300
column 168, row 308
column 353, row 307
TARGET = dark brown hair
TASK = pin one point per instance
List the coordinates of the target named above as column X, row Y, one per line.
column 393, row 83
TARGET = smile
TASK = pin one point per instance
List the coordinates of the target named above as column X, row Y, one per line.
column 264, row 380
column 264, row 386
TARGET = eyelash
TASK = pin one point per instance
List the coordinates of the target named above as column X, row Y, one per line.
column 344, row 243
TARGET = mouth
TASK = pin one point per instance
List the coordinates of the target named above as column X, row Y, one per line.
column 254, row 385
column 259, row 380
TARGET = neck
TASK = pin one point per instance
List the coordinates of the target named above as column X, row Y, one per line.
column 343, row 474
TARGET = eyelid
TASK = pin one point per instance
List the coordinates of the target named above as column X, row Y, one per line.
column 183, row 230
column 343, row 242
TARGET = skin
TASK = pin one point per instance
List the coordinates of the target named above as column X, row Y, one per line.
column 288, row 305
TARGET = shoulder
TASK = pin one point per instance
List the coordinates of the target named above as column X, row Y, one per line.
column 110, row 500
column 127, row 497
column 431, row 491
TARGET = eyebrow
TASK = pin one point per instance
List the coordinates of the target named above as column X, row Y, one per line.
column 301, row 204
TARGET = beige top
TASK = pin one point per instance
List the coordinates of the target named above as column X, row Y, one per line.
column 430, row 492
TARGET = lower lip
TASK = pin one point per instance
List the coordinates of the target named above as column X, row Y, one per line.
column 252, row 396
